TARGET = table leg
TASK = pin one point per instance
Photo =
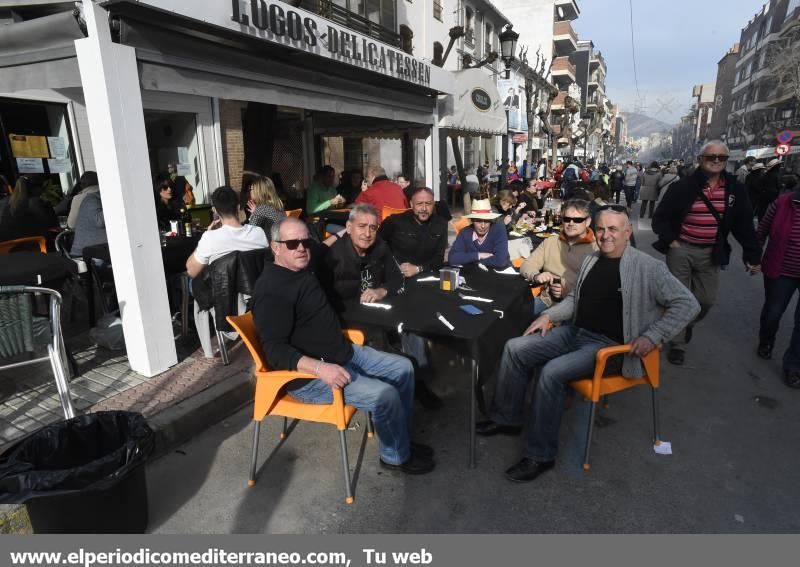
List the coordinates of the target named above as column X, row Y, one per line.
column 184, row 304
column 89, row 281
column 473, row 403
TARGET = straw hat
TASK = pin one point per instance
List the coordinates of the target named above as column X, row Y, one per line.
column 757, row 166
column 482, row 210
column 773, row 163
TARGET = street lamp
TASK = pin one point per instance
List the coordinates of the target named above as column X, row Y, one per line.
column 508, row 47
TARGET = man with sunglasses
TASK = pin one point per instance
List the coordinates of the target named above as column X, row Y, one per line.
column 299, row 330
column 622, row 296
column 556, row 261
column 693, row 221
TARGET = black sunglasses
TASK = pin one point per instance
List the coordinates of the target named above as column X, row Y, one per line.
column 575, row 220
column 716, row 157
column 295, row 242
column 614, row 207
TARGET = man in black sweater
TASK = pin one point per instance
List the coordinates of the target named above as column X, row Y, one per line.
column 299, row 330
column 418, row 239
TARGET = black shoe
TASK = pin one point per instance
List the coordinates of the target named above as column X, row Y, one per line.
column 792, row 378
column 488, row 428
column 426, row 397
column 422, row 450
column 527, row 470
column 676, row 356
column 764, row 351
column 687, row 334
column 416, row 464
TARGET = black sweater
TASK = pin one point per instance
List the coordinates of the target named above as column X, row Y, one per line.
column 294, row 318
column 737, row 219
column 347, row 274
column 419, row 244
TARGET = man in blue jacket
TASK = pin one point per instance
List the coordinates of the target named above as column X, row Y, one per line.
column 484, row 242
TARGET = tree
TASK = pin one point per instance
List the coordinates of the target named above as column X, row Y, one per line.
column 784, row 63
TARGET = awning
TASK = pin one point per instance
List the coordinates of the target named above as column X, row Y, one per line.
column 475, row 109
column 39, row 53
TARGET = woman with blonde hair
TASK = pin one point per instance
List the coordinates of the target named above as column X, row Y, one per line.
column 264, row 204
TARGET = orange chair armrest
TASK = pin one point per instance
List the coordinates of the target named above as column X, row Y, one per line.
column 354, row 336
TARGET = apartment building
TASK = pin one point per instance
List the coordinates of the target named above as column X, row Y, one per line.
column 726, row 76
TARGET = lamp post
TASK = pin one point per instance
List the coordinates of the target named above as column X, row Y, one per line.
column 508, row 47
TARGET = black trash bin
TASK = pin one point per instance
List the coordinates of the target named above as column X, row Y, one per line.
column 82, row 475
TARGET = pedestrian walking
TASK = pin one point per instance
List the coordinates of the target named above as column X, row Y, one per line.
column 693, row 221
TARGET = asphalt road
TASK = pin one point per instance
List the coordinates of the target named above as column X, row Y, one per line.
column 733, row 426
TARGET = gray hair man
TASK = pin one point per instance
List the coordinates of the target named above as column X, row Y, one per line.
column 622, row 296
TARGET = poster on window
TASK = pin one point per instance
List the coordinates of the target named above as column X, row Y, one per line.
column 58, row 147
column 30, row 165
column 513, row 95
column 59, row 166
column 23, row 146
column 184, row 169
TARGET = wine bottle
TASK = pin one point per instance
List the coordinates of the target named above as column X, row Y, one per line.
column 186, row 219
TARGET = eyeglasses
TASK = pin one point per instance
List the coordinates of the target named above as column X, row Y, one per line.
column 294, row 243
column 574, row 220
column 716, row 157
column 615, row 208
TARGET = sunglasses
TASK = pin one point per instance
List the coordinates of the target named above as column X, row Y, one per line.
column 715, row 157
column 294, row 243
column 575, row 220
column 614, row 207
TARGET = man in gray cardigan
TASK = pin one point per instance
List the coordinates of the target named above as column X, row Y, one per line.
column 622, row 296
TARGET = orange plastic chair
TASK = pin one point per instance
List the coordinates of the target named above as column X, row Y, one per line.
column 294, row 213
column 8, row 246
column 592, row 389
column 272, row 399
column 517, row 262
column 388, row 211
column 460, row 224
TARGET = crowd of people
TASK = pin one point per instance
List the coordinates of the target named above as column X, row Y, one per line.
column 597, row 288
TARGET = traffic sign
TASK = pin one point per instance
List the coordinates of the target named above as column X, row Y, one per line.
column 785, row 136
column 782, row 149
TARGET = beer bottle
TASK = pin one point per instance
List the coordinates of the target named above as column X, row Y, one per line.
column 186, row 219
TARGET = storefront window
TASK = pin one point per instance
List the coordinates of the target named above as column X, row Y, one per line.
column 172, row 141
column 36, row 139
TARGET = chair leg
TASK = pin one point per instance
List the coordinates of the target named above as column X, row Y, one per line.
column 223, row 350
column 348, row 489
column 184, row 304
column 61, row 382
column 656, row 434
column 254, row 457
column 589, row 432
column 370, row 425
column 285, row 427
column 605, row 402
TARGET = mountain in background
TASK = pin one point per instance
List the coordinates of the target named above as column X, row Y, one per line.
column 640, row 125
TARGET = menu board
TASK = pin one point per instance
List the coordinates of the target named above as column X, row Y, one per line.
column 23, row 146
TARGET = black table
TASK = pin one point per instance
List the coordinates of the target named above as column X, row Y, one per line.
column 485, row 334
column 35, row 268
column 174, row 253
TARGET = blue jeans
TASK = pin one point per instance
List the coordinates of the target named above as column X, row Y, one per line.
column 778, row 293
column 415, row 346
column 564, row 354
column 630, row 195
column 382, row 384
column 538, row 307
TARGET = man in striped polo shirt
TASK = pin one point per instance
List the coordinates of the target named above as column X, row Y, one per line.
column 693, row 221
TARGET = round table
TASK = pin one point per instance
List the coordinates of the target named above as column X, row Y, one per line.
column 35, row 268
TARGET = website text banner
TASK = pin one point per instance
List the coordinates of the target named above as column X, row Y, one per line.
column 398, row 551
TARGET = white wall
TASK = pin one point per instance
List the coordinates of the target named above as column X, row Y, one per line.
column 533, row 21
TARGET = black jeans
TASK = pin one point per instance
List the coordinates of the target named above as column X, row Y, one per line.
column 630, row 195
column 778, row 293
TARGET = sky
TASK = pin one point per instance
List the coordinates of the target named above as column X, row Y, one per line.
column 677, row 44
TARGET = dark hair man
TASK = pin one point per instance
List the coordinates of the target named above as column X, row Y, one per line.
column 622, row 296
column 693, row 221
column 299, row 330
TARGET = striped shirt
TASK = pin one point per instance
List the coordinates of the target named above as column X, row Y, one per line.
column 700, row 226
column 791, row 258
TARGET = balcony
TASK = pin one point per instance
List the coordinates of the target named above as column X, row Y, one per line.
column 569, row 8
column 351, row 20
column 563, row 71
column 469, row 38
column 565, row 40
column 596, row 61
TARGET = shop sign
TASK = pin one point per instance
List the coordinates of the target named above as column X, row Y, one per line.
column 282, row 23
column 519, row 138
column 481, row 99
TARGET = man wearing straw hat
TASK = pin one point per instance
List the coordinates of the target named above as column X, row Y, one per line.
column 484, row 242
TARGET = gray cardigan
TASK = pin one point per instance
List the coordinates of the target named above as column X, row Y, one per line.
column 655, row 304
